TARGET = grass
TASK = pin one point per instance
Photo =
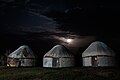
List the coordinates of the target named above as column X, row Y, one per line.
column 77, row 73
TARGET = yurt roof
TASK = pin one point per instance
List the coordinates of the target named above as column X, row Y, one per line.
column 58, row 51
column 98, row 48
column 18, row 52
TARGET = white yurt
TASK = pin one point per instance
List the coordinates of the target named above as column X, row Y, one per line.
column 23, row 56
column 59, row 56
column 98, row 54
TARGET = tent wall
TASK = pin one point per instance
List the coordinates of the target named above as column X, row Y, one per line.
column 47, row 62
column 12, row 62
column 106, row 61
column 100, row 61
column 87, row 61
column 58, row 62
column 28, row 62
column 66, row 62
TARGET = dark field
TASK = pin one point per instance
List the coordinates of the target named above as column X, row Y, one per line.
column 77, row 73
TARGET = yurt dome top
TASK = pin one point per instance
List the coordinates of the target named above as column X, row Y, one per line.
column 98, row 48
column 18, row 53
column 58, row 51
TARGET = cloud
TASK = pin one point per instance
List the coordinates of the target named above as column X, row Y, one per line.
column 8, row 0
column 81, row 41
column 77, row 42
column 26, row 22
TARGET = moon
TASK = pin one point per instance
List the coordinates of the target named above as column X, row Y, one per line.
column 68, row 40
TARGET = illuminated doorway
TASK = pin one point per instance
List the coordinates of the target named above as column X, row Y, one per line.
column 94, row 61
column 55, row 62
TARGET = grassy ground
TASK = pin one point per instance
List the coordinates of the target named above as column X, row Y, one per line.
column 38, row 73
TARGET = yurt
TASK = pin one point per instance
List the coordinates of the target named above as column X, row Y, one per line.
column 59, row 56
column 23, row 56
column 98, row 54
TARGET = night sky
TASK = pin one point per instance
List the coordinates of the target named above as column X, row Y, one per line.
column 41, row 24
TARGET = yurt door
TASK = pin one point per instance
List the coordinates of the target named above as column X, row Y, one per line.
column 55, row 62
column 94, row 61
